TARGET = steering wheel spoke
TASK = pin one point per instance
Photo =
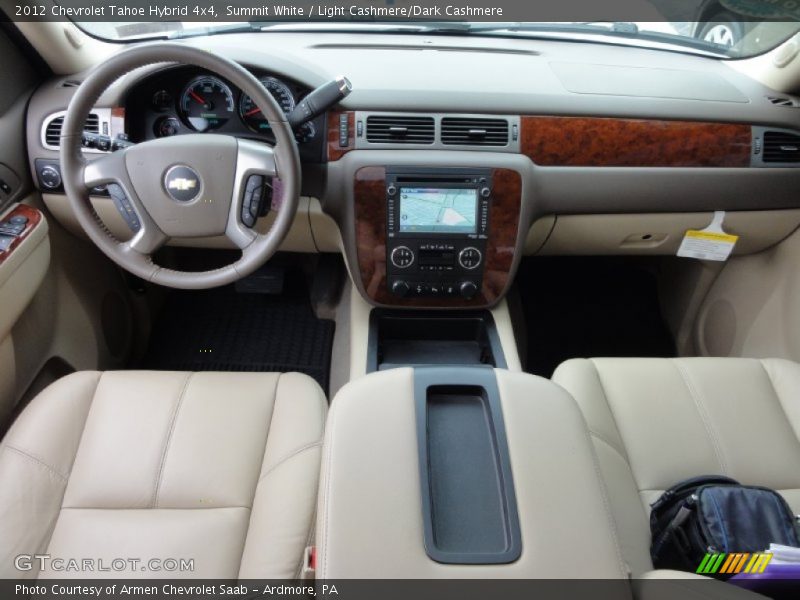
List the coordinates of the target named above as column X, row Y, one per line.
column 110, row 171
column 256, row 170
column 147, row 240
column 104, row 170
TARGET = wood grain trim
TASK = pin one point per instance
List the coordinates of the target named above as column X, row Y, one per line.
column 34, row 217
column 334, row 150
column 609, row 142
column 370, row 224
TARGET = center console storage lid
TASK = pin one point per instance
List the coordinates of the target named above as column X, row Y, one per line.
column 371, row 520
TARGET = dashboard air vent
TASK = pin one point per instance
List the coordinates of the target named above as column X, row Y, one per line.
column 70, row 83
column 781, row 147
column 400, row 130
column 782, row 101
column 474, row 132
column 52, row 134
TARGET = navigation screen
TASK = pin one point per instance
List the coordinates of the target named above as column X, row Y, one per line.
column 438, row 210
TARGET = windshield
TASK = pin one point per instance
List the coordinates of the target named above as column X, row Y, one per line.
column 723, row 28
column 723, row 36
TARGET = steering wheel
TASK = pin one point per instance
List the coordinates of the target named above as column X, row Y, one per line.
column 194, row 185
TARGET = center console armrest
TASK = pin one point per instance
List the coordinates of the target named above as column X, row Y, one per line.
column 373, row 507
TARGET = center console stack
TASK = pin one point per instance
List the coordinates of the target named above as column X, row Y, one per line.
column 437, row 225
column 436, row 236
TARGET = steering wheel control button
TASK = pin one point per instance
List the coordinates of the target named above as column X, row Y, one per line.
column 50, row 177
column 470, row 258
column 402, row 257
column 254, row 203
column 182, row 183
column 124, row 206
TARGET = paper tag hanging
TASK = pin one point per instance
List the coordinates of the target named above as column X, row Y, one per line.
column 711, row 243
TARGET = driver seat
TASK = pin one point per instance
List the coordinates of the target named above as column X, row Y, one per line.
column 218, row 468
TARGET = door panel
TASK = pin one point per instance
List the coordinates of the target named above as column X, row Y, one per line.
column 24, row 241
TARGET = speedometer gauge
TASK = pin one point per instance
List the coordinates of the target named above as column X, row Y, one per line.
column 206, row 103
column 252, row 115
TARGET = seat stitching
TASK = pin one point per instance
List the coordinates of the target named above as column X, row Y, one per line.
column 49, row 537
column 623, row 451
column 327, row 485
column 309, row 539
column 83, row 431
column 623, row 565
column 288, row 456
column 624, row 455
column 263, row 456
column 269, row 428
column 778, row 397
column 35, row 460
column 696, row 397
column 168, row 441
column 609, row 444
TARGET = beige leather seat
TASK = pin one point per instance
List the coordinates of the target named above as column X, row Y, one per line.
column 218, row 468
column 655, row 422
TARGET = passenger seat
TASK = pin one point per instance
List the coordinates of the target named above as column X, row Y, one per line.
column 655, row 422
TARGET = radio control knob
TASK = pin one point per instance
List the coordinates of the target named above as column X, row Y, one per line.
column 400, row 288
column 486, row 192
column 402, row 257
column 470, row 257
column 391, row 190
column 467, row 289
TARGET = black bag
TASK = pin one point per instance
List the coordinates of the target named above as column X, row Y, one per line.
column 714, row 514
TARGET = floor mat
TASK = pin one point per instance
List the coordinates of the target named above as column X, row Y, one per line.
column 590, row 307
column 222, row 330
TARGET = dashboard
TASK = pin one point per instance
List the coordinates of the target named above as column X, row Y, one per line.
column 182, row 100
column 555, row 134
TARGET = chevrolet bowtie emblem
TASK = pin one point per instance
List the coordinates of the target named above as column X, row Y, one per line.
column 182, row 184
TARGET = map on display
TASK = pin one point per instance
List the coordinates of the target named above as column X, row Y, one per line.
column 438, row 210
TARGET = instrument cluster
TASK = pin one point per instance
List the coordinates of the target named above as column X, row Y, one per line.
column 185, row 100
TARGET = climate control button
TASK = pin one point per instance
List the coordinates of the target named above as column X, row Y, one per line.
column 402, row 257
column 470, row 257
column 400, row 288
column 467, row 289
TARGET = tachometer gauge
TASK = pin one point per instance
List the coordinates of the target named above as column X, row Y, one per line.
column 206, row 103
column 252, row 115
